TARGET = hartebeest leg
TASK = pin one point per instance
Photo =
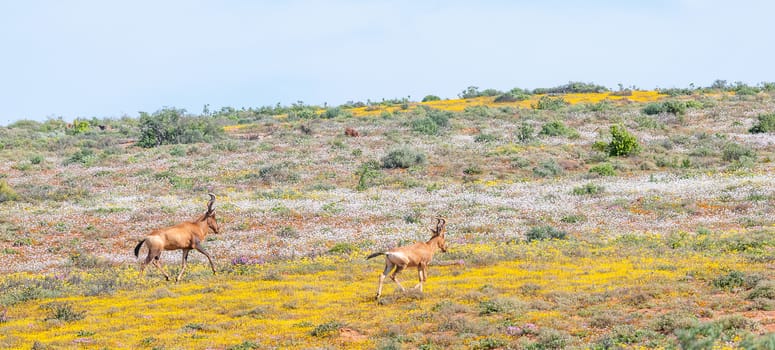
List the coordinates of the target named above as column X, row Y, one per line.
column 183, row 264
column 157, row 263
column 199, row 248
column 422, row 274
column 388, row 267
column 394, row 277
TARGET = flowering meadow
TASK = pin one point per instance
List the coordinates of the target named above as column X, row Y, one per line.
column 602, row 220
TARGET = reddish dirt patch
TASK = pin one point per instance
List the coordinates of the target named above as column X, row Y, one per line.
column 351, row 335
column 765, row 318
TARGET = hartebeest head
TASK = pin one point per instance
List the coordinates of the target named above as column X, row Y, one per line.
column 439, row 232
column 209, row 215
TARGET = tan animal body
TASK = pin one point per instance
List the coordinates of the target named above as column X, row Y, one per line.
column 417, row 255
column 185, row 236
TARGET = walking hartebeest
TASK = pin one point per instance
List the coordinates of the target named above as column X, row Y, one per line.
column 185, row 236
column 419, row 254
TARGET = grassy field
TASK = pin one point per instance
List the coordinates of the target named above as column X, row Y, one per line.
column 556, row 239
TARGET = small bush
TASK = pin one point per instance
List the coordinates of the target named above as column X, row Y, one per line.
column 547, row 168
column 430, row 98
column 6, row 192
column 549, row 103
column 403, row 157
column 766, row 124
column 733, row 151
column 367, row 173
column 425, row 126
column 326, row 329
column 482, row 138
column 763, row 290
column 623, row 143
column 557, row 128
column 588, row 189
column 604, row 169
column 539, row 233
column 525, row 133
column 62, row 311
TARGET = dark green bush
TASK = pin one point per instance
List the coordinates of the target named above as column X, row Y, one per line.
column 766, row 124
column 622, row 142
column 539, row 233
column 430, row 98
column 403, row 157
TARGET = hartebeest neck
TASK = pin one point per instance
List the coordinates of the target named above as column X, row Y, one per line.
column 433, row 244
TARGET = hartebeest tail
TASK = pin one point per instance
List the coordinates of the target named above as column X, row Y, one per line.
column 417, row 255
column 185, row 236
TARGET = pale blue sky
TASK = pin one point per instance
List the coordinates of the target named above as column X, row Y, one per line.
column 96, row 58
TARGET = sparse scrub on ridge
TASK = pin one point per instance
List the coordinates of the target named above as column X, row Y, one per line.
column 572, row 87
column 430, row 98
column 171, row 126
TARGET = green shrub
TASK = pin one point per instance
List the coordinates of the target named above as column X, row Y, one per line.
column 525, row 133
column 403, row 157
column 62, row 311
column 6, row 192
column 547, row 168
column 557, row 128
column 588, row 189
column 326, row 329
column 736, row 279
column 654, row 108
column 549, row 103
column 425, row 126
column 763, row 290
column 622, row 142
column 430, row 98
column 333, row 112
column 604, row 169
column 539, row 233
column 85, row 156
column 366, row 173
column 733, row 151
column 485, row 138
column 766, row 124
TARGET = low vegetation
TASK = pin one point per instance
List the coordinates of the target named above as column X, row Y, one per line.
column 575, row 218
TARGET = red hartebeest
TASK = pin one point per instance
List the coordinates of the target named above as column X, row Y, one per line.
column 185, row 236
column 419, row 254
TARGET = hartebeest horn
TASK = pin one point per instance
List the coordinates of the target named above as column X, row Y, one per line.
column 210, row 204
